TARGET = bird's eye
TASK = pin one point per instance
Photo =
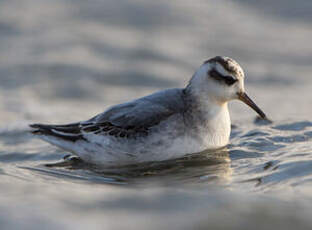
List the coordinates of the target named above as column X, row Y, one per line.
column 215, row 75
column 229, row 80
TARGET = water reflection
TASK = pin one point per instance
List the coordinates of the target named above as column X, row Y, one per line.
column 203, row 167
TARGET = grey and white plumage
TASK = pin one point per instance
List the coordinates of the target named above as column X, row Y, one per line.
column 164, row 125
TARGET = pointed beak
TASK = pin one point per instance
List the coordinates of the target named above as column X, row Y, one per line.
column 244, row 98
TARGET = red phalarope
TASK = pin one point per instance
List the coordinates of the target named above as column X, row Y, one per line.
column 164, row 125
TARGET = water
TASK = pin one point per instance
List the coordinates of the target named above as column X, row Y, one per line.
column 64, row 61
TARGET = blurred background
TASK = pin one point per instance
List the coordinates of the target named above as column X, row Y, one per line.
column 67, row 60
column 57, row 57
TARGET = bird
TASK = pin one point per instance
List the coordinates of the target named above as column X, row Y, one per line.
column 165, row 125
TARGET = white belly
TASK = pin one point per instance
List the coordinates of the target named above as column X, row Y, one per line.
column 168, row 140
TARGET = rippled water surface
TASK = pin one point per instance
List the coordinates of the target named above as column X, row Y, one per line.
column 65, row 61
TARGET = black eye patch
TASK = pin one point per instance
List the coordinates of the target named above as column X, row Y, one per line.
column 229, row 80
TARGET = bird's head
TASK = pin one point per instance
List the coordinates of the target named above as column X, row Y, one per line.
column 221, row 79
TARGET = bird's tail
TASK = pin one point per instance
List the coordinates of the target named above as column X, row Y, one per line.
column 70, row 132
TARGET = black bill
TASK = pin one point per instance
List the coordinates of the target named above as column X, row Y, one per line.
column 244, row 98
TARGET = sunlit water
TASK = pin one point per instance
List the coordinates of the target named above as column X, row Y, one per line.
column 65, row 61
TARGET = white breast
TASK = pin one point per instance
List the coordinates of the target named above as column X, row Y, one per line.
column 218, row 129
column 215, row 130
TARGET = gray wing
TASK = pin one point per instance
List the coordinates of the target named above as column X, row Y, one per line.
column 125, row 120
column 137, row 116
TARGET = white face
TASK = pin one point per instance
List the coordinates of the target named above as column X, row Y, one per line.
column 217, row 82
column 221, row 79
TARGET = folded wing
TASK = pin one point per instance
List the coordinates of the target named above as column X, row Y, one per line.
column 126, row 120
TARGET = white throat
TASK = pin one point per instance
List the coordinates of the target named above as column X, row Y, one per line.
column 211, row 119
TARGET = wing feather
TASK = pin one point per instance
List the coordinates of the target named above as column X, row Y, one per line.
column 126, row 120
